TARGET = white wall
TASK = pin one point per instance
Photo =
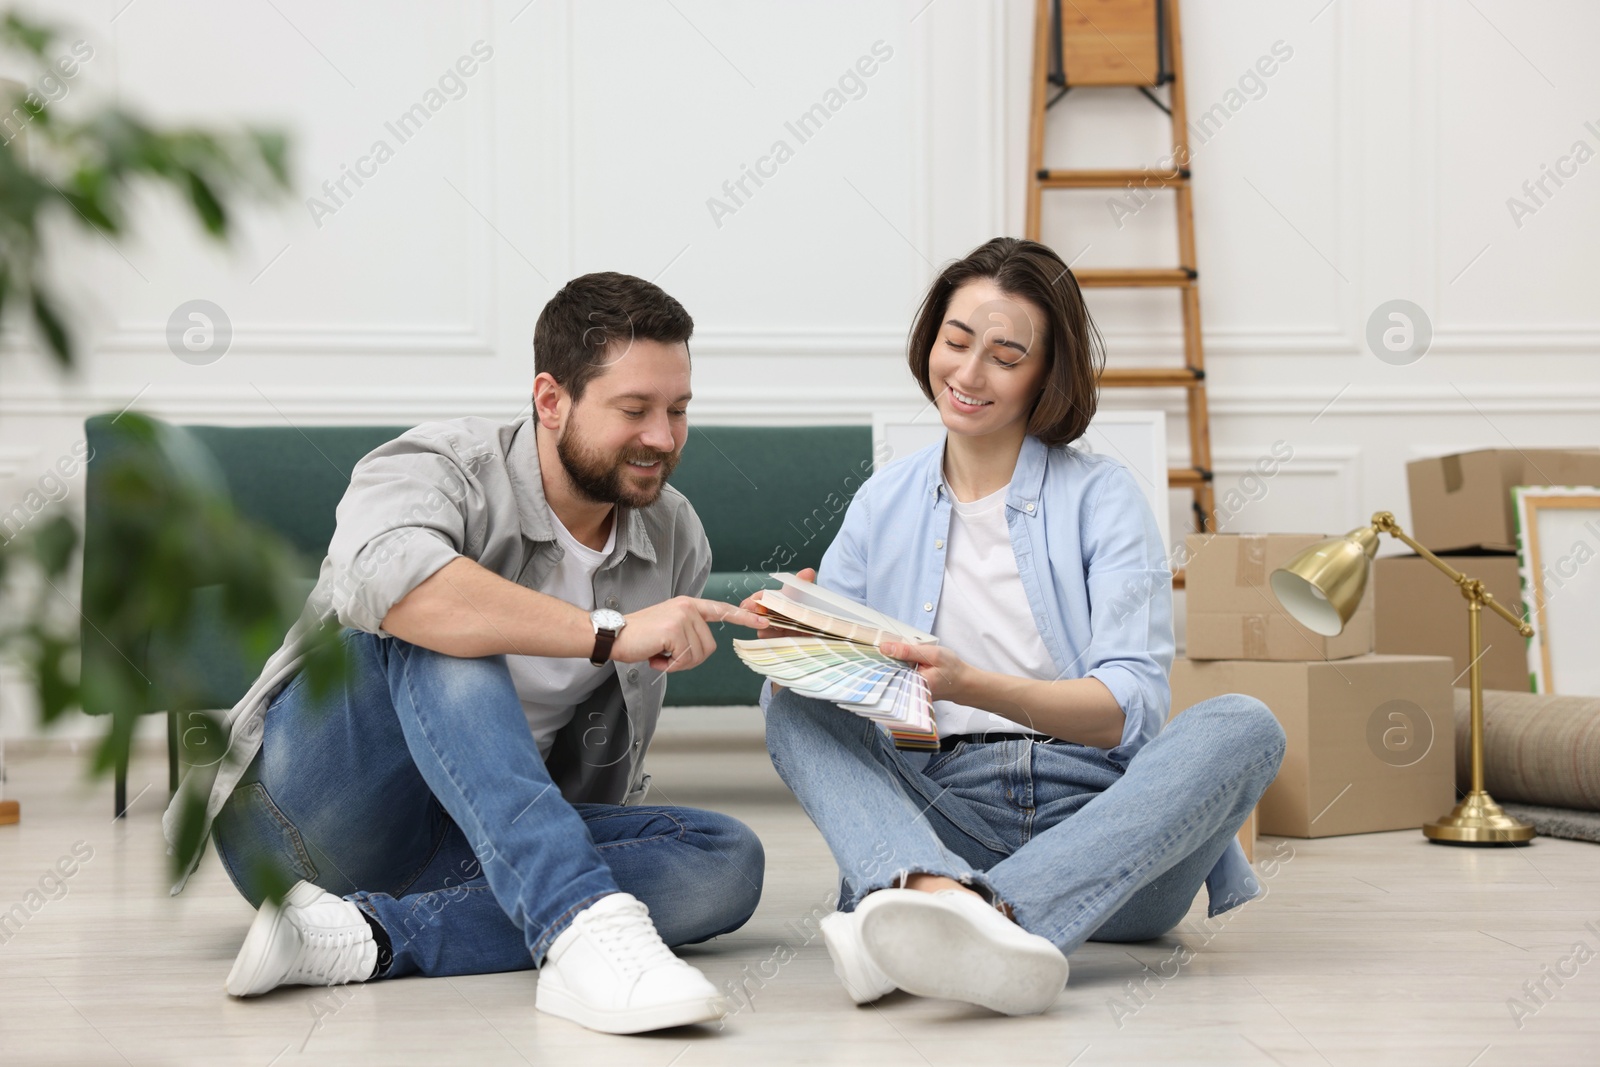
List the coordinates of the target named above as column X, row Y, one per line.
column 1374, row 164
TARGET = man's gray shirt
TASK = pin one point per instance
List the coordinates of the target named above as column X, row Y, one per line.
column 471, row 487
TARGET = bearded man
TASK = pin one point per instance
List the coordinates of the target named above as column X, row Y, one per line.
column 513, row 597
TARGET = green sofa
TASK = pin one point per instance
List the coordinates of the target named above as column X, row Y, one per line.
column 771, row 498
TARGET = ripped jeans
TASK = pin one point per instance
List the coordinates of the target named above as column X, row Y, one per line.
column 1078, row 846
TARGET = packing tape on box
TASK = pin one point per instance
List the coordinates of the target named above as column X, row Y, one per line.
column 1252, row 565
column 1451, row 466
column 1253, row 636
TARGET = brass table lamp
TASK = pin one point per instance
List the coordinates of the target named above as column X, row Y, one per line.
column 1322, row 586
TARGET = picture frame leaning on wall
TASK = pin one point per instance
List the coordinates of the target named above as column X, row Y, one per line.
column 1558, row 555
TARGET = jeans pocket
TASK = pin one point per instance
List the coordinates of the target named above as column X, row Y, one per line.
column 254, row 839
column 932, row 767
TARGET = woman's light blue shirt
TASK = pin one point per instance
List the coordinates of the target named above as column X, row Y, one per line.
column 1092, row 563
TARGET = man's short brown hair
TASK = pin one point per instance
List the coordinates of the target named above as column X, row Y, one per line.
column 1073, row 352
column 591, row 313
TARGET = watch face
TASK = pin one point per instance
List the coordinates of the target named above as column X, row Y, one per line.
column 606, row 619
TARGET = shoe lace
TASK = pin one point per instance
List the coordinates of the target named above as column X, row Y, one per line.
column 332, row 957
column 628, row 936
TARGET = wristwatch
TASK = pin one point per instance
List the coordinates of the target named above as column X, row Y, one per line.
column 607, row 625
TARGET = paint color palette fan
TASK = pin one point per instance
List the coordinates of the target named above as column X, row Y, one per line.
column 833, row 656
column 856, row 677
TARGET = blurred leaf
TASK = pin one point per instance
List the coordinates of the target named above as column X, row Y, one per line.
column 202, row 739
column 28, row 36
column 52, row 329
column 164, row 523
column 263, row 874
column 327, row 662
column 116, row 745
column 190, row 838
column 57, row 689
column 274, row 149
column 92, row 210
column 206, row 205
column 52, row 544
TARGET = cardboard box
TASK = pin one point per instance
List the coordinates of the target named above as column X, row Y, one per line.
column 1464, row 500
column 1248, row 835
column 1371, row 739
column 1230, row 612
column 1420, row 612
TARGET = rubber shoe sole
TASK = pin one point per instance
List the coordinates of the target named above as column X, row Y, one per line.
column 847, row 954
column 560, row 1003
column 931, row 949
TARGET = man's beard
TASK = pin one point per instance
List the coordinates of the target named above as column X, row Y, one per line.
column 605, row 479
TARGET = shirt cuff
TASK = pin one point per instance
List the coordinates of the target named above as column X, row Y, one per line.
column 384, row 572
column 1130, row 698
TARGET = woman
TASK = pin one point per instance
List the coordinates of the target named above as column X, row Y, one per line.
column 1057, row 808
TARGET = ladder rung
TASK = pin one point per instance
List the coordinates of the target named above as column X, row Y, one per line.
column 1110, row 179
column 1142, row 278
column 1186, row 477
column 1151, row 377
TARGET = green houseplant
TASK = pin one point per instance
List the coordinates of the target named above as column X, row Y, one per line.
column 84, row 172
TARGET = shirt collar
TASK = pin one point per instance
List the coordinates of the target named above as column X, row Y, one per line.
column 533, row 510
column 1026, row 480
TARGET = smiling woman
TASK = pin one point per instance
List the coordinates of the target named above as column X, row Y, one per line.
column 1062, row 810
column 1001, row 302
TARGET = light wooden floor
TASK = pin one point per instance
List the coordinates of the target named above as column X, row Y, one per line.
column 1367, row 950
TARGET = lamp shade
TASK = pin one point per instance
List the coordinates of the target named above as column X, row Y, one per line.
column 1322, row 586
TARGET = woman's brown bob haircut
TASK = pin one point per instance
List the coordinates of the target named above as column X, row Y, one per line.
column 1073, row 352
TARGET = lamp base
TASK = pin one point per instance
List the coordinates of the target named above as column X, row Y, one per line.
column 1478, row 820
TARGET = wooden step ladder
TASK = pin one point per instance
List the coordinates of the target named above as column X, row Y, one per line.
column 1132, row 44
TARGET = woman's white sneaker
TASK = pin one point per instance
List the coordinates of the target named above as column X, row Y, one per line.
column 311, row 938
column 610, row 971
column 863, row 980
column 954, row 946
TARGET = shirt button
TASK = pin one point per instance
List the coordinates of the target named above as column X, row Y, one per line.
column 1029, row 509
column 633, row 674
column 927, row 607
column 939, row 543
column 611, row 602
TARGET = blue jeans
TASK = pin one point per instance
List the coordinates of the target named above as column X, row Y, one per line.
column 418, row 793
column 1078, row 846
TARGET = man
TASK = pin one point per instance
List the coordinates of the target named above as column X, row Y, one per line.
column 514, row 596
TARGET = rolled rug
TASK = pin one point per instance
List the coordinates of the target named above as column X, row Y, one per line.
column 1537, row 748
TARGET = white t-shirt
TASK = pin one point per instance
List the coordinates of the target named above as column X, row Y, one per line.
column 983, row 613
column 552, row 688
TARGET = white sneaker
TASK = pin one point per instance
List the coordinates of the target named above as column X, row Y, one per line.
column 312, row 938
column 862, row 979
column 955, row 946
column 610, row 971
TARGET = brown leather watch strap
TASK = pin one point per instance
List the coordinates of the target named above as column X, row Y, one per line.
column 603, row 640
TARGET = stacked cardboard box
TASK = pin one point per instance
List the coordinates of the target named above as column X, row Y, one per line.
column 1371, row 738
column 1230, row 611
column 1421, row 612
column 1463, row 511
column 1463, row 502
